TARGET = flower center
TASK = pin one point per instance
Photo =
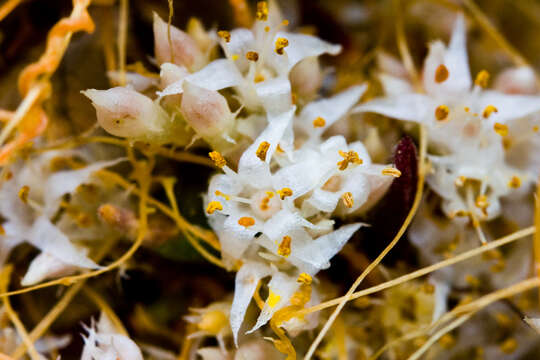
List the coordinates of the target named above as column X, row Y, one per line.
column 265, row 204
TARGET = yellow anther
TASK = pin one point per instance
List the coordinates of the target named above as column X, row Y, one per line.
column 270, row 194
column 225, row 35
column 279, row 149
column 267, row 28
column 509, row 345
column 252, row 56
column 482, row 203
column 284, row 248
column 258, row 78
column 23, row 193
column 472, row 280
column 213, row 206
column 283, row 193
column 262, row 150
column 213, row 322
column 515, row 182
column 2, row 230
column 262, row 11
column 447, row 341
column 264, row 202
column 246, row 221
column 391, row 171
column 304, row 278
column 225, row 196
column 467, row 109
column 503, row 319
column 459, row 213
column 442, row 112
column 347, row 199
column 441, row 73
column 535, row 128
column 349, row 157
column 218, row 159
column 235, row 57
column 285, row 22
column 500, row 129
column 84, row 220
column 319, row 122
column 281, row 43
column 460, row 181
column 273, row 299
column 428, row 288
column 482, row 79
column 490, row 109
column 499, row 266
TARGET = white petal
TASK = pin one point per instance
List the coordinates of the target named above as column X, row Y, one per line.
column 246, row 282
column 331, row 109
column 509, row 106
column 283, row 286
column 171, row 73
column 251, row 168
column 394, row 86
column 302, row 46
column 301, row 177
column 46, row 266
column 275, row 95
column 48, row 238
column 137, row 81
column 409, row 107
column 217, row 75
column 456, row 61
column 516, row 80
column 319, row 252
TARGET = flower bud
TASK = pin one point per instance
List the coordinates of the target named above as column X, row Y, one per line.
column 306, row 77
column 126, row 113
column 46, row 266
column 517, row 80
column 206, row 111
column 182, row 49
column 171, row 73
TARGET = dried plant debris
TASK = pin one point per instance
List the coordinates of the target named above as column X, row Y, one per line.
column 269, row 180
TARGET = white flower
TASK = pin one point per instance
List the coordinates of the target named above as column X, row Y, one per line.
column 28, row 202
column 105, row 342
column 467, row 127
column 274, row 216
column 258, row 63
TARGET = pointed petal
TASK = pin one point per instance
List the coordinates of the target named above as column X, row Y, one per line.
column 245, row 284
column 275, row 95
column 509, row 107
column 409, row 107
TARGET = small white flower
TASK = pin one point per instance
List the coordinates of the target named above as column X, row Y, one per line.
column 104, row 342
column 467, row 126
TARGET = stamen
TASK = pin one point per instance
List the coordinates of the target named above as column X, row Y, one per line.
column 213, row 206
column 535, row 128
column 304, row 278
column 509, row 345
column 267, row 28
column 319, row 122
column 447, row 341
column 283, row 193
column 273, row 299
column 235, row 57
column 441, row 73
column 467, row 109
column 284, row 248
column 218, row 159
column 246, row 221
column 391, row 171
column 348, row 200
column 213, row 322
column 225, row 35
column 482, row 203
column 500, row 129
column 482, row 79
column 441, row 112
column 489, row 110
column 262, row 11
column 252, row 56
column 225, row 196
column 258, row 78
column 23, row 194
column 349, row 157
column 515, row 182
column 2, row 230
column 262, row 150
column 472, row 281
column 281, row 43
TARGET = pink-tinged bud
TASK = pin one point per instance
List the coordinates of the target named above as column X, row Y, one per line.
column 185, row 51
column 171, row 73
column 306, row 77
column 206, row 111
column 126, row 113
column 46, row 266
column 518, row 80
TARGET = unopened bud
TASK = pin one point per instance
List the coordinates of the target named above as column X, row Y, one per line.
column 306, row 77
column 181, row 50
column 206, row 111
column 126, row 113
column 171, row 73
